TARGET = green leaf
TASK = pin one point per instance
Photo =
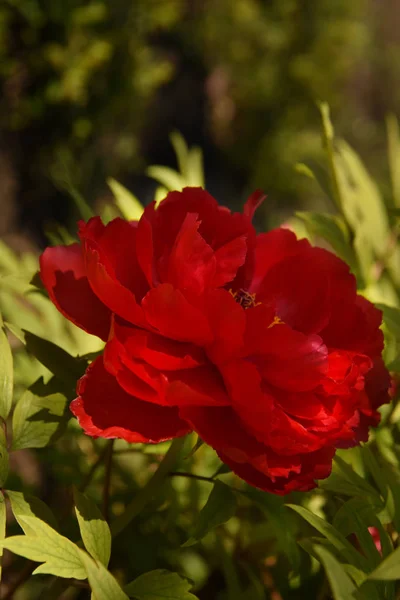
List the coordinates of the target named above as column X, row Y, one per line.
column 2, row 524
column 159, row 585
column 104, row 585
column 389, row 569
column 392, row 128
column 95, row 531
column 60, row 557
column 360, row 516
column 338, row 541
column 66, row 367
column 6, row 374
column 127, row 203
column 281, row 521
column 391, row 318
column 25, row 505
column 341, row 585
column 219, row 508
column 166, row 176
column 37, row 420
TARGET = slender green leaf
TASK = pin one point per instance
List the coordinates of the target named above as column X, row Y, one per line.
column 6, row 374
column 341, row 585
column 127, row 203
column 338, row 541
column 219, row 508
column 166, row 176
column 58, row 554
column 392, row 128
column 160, row 585
column 95, row 531
column 104, row 585
column 181, row 150
column 389, row 569
column 37, row 420
column 281, row 521
column 2, row 525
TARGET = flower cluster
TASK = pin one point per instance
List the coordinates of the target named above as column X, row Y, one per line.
column 259, row 343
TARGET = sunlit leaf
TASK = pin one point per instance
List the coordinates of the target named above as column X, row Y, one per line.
column 25, row 505
column 59, row 555
column 37, row 420
column 104, row 585
column 127, row 203
column 95, row 531
column 6, row 374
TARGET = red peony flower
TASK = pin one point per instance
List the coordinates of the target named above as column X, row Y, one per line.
column 260, row 344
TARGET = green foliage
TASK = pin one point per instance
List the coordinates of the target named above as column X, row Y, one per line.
column 95, row 532
column 36, row 420
column 42, row 544
column 104, row 586
column 127, row 203
column 6, row 374
column 220, row 507
column 159, row 585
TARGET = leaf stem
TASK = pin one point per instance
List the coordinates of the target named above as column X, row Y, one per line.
column 191, row 476
column 151, row 488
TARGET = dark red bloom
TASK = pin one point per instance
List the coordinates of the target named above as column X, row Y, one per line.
column 260, row 344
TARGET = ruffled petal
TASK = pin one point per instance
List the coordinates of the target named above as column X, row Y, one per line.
column 191, row 263
column 271, row 248
column 315, row 466
column 252, row 461
column 302, row 288
column 62, row 271
column 197, row 384
column 168, row 311
column 104, row 409
column 116, row 279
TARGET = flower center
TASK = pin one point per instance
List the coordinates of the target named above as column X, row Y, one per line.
column 244, row 298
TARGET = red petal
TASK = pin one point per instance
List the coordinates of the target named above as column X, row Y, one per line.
column 62, row 271
column 104, row 409
column 272, row 248
column 315, row 466
column 114, row 278
column 290, row 360
column 168, row 311
column 354, row 325
column 228, row 321
column 253, row 202
column 191, row 263
column 302, row 287
column 158, row 351
column 201, row 385
column 252, row 461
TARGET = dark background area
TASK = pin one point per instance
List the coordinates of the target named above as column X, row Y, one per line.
column 93, row 89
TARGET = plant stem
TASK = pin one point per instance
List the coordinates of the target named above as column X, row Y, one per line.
column 151, row 488
column 93, row 469
column 107, row 480
column 191, row 476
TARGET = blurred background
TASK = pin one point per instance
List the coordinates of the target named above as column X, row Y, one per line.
column 93, row 89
